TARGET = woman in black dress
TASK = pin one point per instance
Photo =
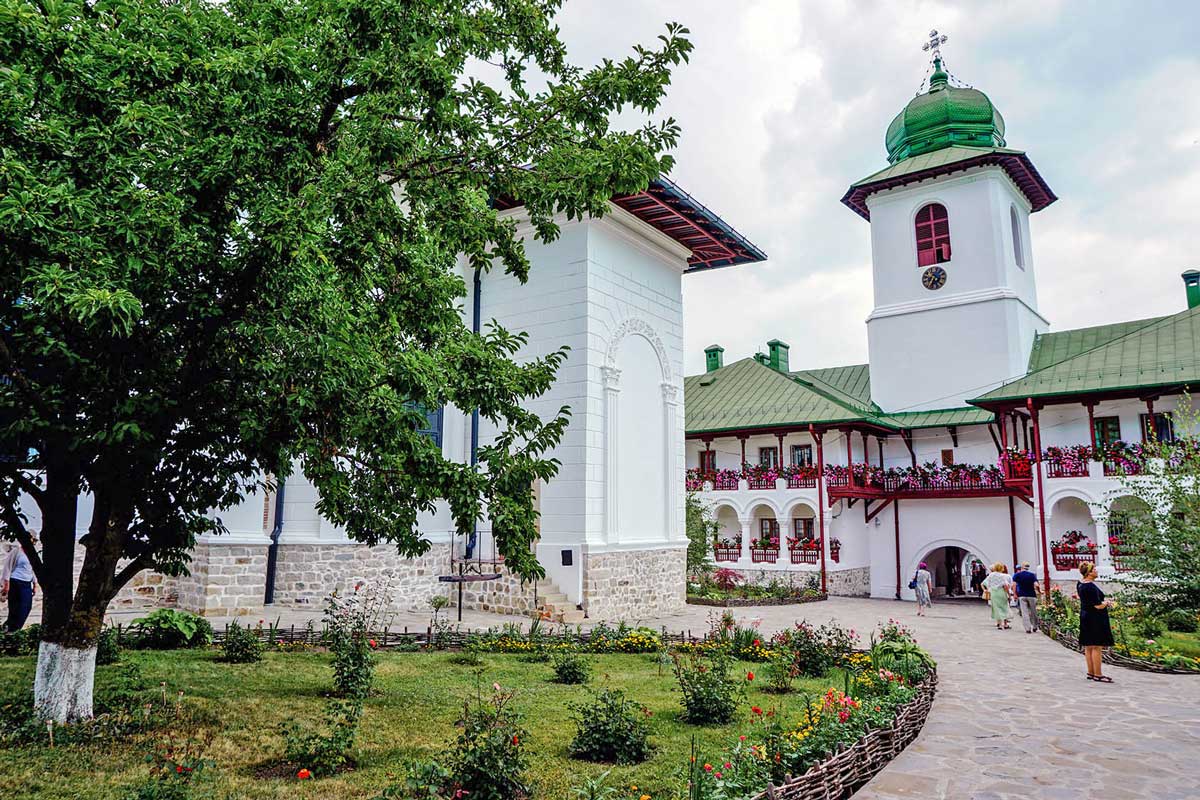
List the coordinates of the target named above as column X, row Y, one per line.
column 1095, row 632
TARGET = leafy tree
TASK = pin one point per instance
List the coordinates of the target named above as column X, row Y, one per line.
column 702, row 529
column 232, row 237
column 1158, row 533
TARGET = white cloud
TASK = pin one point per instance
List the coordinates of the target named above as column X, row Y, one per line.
column 784, row 104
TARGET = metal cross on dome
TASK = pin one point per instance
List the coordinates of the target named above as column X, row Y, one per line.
column 935, row 44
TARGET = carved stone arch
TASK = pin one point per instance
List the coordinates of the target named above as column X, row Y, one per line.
column 631, row 326
column 806, row 502
column 1061, row 494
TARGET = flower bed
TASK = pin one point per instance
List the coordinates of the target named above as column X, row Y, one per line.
column 739, row 602
column 844, row 772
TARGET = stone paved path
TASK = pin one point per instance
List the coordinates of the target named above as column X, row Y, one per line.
column 1014, row 716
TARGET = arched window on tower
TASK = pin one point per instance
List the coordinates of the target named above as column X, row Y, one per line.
column 1018, row 249
column 933, row 235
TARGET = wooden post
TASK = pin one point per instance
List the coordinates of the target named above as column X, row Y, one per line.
column 743, row 466
column 849, row 458
column 779, row 460
column 896, row 517
column 1037, row 443
column 1012, row 526
column 812, row 431
column 1091, row 407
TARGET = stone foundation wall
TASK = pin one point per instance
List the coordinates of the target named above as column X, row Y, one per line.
column 225, row 580
column 305, row 574
column 854, row 582
column 505, row 595
column 634, row 584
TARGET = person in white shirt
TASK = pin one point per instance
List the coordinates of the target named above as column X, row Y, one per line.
column 17, row 584
column 997, row 587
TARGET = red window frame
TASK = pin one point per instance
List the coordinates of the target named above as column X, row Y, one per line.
column 802, row 528
column 933, row 235
column 708, row 460
column 768, row 528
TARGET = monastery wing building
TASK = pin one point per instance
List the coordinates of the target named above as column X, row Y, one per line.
column 974, row 433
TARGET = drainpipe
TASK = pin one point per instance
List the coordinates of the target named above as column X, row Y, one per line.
column 477, row 291
column 273, row 549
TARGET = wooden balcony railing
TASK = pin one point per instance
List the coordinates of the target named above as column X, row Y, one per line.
column 727, row 553
column 1068, row 561
column 764, row 555
column 1057, row 469
column 805, row 555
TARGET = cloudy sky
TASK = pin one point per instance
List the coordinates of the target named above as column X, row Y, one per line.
column 785, row 104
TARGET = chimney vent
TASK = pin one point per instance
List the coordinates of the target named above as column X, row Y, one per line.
column 778, row 360
column 714, row 357
column 1191, row 281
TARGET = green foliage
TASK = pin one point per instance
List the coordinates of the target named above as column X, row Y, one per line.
column 710, row 691
column 781, row 671
column 108, row 647
column 20, row 643
column 814, row 650
column 702, row 530
column 229, row 245
column 571, row 668
column 1181, row 621
column 169, row 629
column 596, row 788
column 349, row 620
column 610, row 729
column 1158, row 519
column 324, row 752
column 241, row 645
column 178, row 771
column 488, row 761
column 904, row 658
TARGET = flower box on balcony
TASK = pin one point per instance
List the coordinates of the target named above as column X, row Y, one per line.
column 725, row 480
column 798, row 481
column 760, row 555
column 1068, row 560
column 727, row 553
column 1059, row 469
column 759, row 482
column 802, row 555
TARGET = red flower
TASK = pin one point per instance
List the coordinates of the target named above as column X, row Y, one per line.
column 179, row 770
column 515, row 740
column 757, row 642
column 756, row 710
column 708, row 767
column 372, row 643
column 303, row 774
column 749, row 676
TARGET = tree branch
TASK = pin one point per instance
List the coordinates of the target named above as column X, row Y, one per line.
column 143, row 560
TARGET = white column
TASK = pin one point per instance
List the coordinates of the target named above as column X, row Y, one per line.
column 1104, row 562
column 612, row 391
column 671, row 494
column 746, row 523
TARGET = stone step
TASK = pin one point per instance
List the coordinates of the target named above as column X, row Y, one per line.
column 572, row 617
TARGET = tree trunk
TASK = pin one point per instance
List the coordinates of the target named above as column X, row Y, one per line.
column 62, row 687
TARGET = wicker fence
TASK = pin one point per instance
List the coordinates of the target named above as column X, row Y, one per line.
column 840, row 775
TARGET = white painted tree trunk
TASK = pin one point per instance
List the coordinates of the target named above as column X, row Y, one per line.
column 62, row 687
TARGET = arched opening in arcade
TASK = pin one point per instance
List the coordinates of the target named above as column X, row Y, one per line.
column 1072, row 533
column 803, row 540
column 950, row 566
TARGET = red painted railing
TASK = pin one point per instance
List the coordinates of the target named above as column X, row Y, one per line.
column 801, row 555
column 760, row 483
column 725, row 482
column 1069, row 561
column 1057, row 469
column 802, row 481
column 727, row 553
column 764, row 555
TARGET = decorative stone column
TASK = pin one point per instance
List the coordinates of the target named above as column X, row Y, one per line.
column 1104, row 563
column 612, row 391
column 670, row 402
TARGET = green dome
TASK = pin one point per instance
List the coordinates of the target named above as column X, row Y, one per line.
column 942, row 117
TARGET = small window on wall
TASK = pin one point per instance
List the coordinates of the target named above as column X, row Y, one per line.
column 708, row 460
column 1015, row 222
column 933, row 235
column 802, row 455
column 1108, row 430
column 768, row 528
column 433, row 422
column 947, row 457
column 768, row 457
column 1164, row 431
column 802, row 529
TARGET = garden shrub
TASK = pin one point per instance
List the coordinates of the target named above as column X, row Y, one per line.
column 20, row 643
column 324, row 753
column 488, row 761
column 349, row 621
column 571, row 668
column 177, row 768
column 1146, row 624
column 611, row 729
column 171, row 629
column 710, row 692
column 1181, row 620
column 815, row 651
column 469, row 656
column 781, row 672
column 108, row 647
column 905, row 658
column 241, row 645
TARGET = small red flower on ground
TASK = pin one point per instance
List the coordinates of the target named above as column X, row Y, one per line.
column 516, row 741
column 304, row 774
column 749, row 676
column 756, row 710
column 708, row 767
column 372, row 643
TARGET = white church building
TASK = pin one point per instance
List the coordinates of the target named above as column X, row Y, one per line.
column 974, row 433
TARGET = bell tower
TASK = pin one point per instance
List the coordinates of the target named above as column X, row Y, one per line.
column 955, row 310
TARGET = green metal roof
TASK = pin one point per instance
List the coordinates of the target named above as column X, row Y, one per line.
column 746, row 394
column 1128, row 356
column 942, row 117
column 942, row 418
column 927, row 161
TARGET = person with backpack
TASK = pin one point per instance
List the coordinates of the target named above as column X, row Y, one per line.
column 1026, row 583
column 922, row 584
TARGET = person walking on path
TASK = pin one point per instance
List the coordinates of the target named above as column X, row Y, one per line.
column 978, row 573
column 1095, row 630
column 1026, row 583
column 923, row 586
column 17, row 583
column 996, row 587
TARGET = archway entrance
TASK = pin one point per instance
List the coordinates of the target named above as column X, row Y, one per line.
column 950, row 567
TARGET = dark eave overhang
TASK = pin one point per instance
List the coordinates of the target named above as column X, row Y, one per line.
column 1137, row 392
column 1018, row 167
column 713, row 242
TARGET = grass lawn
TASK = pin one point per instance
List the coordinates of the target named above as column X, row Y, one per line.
column 410, row 716
column 1186, row 644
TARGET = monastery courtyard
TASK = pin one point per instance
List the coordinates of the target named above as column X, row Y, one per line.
column 1014, row 717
